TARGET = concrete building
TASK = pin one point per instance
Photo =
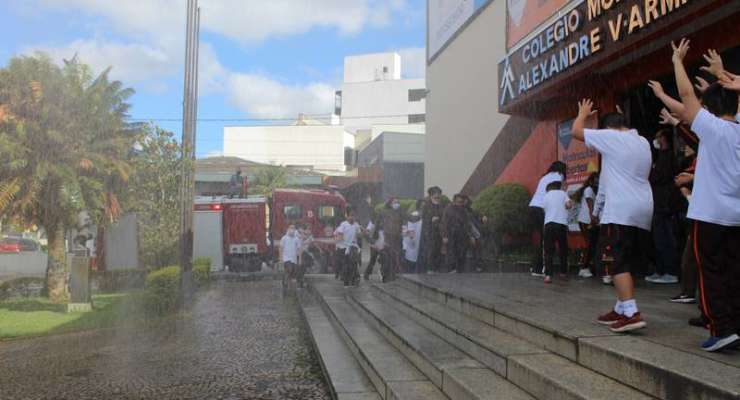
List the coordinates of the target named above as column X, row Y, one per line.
column 504, row 81
column 373, row 93
column 396, row 161
column 307, row 144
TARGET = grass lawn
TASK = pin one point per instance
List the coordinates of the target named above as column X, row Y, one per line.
column 28, row 317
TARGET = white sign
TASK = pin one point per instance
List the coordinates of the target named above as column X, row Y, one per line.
column 445, row 18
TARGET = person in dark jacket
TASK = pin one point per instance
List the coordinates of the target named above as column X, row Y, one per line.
column 667, row 205
column 431, row 237
column 393, row 220
column 456, row 233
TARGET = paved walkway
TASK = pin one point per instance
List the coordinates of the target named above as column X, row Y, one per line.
column 240, row 341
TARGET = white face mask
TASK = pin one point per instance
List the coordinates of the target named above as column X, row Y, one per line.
column 395, row 206
column 656, row 144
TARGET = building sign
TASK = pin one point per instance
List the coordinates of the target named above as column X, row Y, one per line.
column 580, row 162
column 591, row 28
column 523, row 17
column 446, row 17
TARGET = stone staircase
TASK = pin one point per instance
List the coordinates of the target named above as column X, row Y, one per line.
column 414, row 340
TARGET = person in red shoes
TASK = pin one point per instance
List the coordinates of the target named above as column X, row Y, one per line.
column 625, row 167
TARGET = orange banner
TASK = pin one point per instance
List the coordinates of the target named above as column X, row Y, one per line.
column 524, row 16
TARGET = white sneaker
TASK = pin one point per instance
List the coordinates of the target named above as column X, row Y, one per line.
column 606, row 279
column 667, row 279
column 537, row 274
column 585, row 273
column 654, row 278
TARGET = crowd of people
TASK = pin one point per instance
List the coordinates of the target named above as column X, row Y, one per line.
column 685, row 200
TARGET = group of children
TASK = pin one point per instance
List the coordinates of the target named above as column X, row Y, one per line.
column 624, row 204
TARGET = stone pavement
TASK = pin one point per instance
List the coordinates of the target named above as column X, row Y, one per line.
column 239, row 341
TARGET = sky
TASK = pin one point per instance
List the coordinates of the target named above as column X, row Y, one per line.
column 259, row 59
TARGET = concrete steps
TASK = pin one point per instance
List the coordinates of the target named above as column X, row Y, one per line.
column 542, row 374
column 344, row 374
column 458, row 375
column 391, row 374
column 574, row 345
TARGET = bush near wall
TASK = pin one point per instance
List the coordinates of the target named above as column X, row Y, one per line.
column 118, row 280
column 201, row 271
column 163, row 290
column 507, row 208
column 21, row 287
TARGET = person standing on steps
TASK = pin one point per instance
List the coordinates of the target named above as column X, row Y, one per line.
column 556, row 204
column 393, row 219
column 556, row 173
column 586, row 197
column 456, row 233
column 625, row 167
column 431, row 241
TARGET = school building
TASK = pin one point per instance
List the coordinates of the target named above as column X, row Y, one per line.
column 504, row 78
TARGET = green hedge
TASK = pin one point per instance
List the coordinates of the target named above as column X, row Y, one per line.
column 163, row 290
column 118, row 280
column 507, row 208
column 201, row 271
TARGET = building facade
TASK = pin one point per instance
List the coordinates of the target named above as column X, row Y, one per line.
column 504, row 78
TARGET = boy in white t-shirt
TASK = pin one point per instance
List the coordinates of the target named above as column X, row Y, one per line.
column 348, row 251
column 290, row 248
column 715, row 203
column 626, row 161
column 556, row 204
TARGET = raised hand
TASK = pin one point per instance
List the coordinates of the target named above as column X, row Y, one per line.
column 585, row 108
column 656, row 87
column 701, row 84
column 714, row 60
column 730, row 81
column 666, row 118
column 680, row 51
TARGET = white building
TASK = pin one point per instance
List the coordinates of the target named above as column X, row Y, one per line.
column 373, row 93
column 307, row 144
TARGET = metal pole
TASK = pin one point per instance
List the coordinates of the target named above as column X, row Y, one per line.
column 188, row 145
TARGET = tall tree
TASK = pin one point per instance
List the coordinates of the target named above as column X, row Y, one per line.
column 153, row 193
column 269, row 178
column 63, row 147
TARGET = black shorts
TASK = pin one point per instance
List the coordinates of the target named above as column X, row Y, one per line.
column 626, row 250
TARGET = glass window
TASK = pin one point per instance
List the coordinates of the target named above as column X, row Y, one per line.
column 417, row 118
column 293, row 211
column 417, row 94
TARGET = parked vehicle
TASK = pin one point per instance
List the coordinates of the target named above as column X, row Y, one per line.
column 22, row 244
column 240, row 234
column 9, row 248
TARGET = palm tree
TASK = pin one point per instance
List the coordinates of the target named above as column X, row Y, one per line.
column 268, row 179
column 63, row 148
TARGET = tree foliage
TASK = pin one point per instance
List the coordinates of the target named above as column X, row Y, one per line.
column 64, row 142
column 153, row 193
column 507, row 208
column 269, row 179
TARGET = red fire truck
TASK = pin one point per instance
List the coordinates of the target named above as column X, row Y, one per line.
column 239, row 234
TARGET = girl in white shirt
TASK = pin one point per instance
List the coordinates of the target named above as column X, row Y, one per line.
column 586, row 196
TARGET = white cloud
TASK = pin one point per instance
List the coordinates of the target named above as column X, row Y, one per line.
column 413, row 62
column 263, row 97
column 132, row 63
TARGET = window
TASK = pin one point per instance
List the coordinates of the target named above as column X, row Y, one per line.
column 417, row 94
column 292, row 211
column 338, row 102
column 330, row 215
column 417, row 118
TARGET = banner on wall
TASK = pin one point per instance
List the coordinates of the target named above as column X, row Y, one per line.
column 580, row 162
column 446, row 17
column 524, row 16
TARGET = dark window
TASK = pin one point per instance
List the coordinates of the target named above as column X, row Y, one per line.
column 417, row 118
column 293, row 211
column 385, row 70
column 338, row 102
column 417, row 94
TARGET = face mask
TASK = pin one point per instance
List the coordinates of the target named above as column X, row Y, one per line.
column 656, row 144
column 291, row 232
column 395, row 206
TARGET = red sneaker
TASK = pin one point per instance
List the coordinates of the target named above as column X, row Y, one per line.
column 548, row 279
column 628, row 324
column 609, row 318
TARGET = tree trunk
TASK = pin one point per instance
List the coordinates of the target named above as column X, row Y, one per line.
column 57, row 273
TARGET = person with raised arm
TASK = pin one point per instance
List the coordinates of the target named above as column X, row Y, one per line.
column 715, row 200
column 625, row 167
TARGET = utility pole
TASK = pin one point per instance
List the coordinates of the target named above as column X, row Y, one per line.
column 189, row 119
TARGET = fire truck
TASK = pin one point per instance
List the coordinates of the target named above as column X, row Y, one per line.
column 241, row 233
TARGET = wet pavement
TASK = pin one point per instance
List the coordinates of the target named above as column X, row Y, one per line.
column 241, row 340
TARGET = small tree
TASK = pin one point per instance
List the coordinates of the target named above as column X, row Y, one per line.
column 269, row 179
column 507, row 208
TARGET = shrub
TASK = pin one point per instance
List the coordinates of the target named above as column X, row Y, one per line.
column 201, row 271
column 507, row 208
column 118, row 280
column 21, row 287
column 163, row 290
